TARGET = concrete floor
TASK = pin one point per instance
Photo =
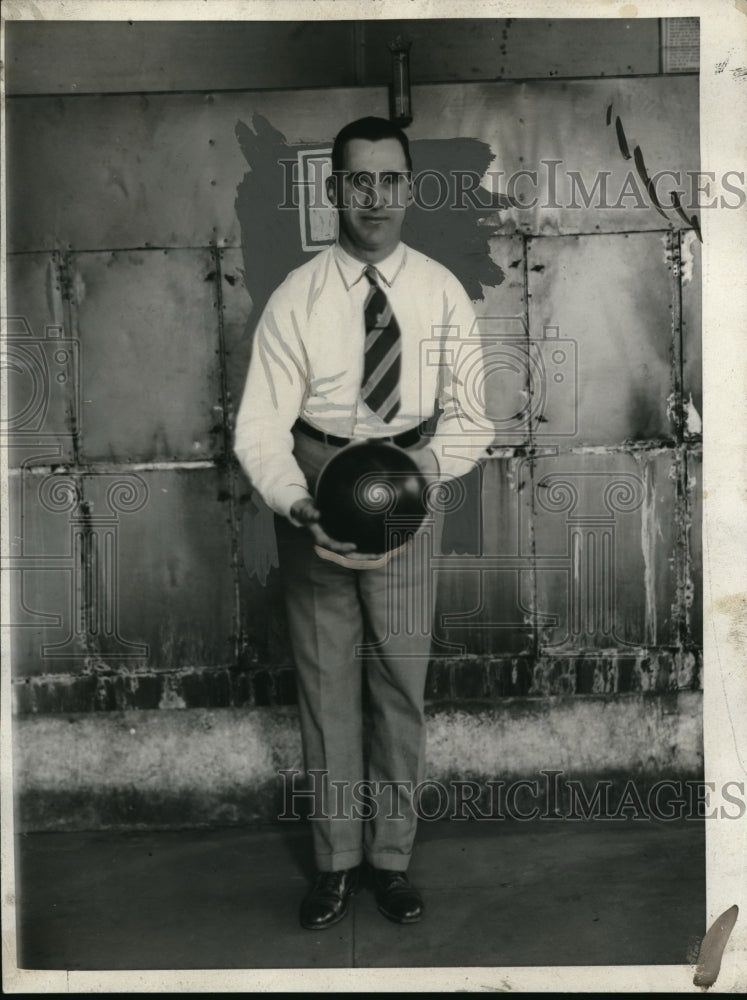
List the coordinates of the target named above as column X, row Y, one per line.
column 496, row 894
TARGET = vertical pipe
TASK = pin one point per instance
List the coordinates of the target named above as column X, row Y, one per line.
column 359, row 53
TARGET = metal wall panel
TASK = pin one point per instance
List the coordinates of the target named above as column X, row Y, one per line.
column 560, row 132
column 600, row 317
column 81, row 57
column 263, row 630
column 148, row 329
column 96, row 173
column 485, row 599
column 42, row 364
column 166, row 572
column 99, row 173
column 105, row 57
column 509, row 297
column 44, row 574
column 111, row 172
column 502, row 379
column 495, row 48
column 605, row 536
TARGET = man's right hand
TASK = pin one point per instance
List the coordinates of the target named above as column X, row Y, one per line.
column 306, row 512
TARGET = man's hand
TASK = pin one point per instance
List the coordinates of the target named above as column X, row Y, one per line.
column 307, row 513
column 426, row 460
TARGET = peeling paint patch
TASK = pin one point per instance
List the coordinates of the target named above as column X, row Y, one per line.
column 170, row 697
column 648, row 549
column 671, row 408
column 687, row 260
column 79, row 288
column 693, row 423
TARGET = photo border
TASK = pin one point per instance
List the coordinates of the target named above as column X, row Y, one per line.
column 723, row 125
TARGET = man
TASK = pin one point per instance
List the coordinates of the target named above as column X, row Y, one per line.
column 337, row 358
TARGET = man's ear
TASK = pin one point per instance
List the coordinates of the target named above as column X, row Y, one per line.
column 332, row 189
column 409, row 197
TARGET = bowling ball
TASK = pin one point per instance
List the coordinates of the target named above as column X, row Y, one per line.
column 371, row 494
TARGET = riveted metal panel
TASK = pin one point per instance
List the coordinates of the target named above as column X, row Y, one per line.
column 605, row 536
column 692, row 330
column 110, row 56
column 508, row 298
column 484, row 575
column 600, row 320
column 556, row 155
column 264, row 632
column 111, row 172
column 164, row 568
column 90, row 173
column 42, row 364
column 163, row 170
column 239, row 321
column 45, row 577
column 494, row 48
column 501, row 379
column 148, row 330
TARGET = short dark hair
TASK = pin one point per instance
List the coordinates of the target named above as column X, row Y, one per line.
column 370, row 128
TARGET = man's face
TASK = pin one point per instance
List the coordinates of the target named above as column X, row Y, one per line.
column 372, row 196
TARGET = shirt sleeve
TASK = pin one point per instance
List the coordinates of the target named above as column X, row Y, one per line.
column 463, row 432
column 273, row 395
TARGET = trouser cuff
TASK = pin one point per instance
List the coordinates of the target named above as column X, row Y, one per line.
column 389, row 862
column 338, row 862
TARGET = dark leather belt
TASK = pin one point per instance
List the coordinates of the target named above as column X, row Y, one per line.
column 404, row 440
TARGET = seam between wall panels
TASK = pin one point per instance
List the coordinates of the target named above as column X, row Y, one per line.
column 228, row 462
column 83, row 585
column 680, row 455
column 322, row 88
column 510, row 451
column 525, row 241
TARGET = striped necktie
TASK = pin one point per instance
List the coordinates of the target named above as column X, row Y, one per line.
column 383, row 351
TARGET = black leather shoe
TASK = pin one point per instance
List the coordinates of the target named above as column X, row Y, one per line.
column 327, row 900
column 396, row 898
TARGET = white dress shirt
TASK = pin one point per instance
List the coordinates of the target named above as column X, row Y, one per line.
column 307, row 361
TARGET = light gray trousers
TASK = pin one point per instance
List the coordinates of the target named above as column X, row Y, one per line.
column 348, row 627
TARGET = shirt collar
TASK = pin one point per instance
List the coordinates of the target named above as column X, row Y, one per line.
column 352, row 270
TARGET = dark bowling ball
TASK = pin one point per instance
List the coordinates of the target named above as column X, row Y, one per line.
column 372, row 494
